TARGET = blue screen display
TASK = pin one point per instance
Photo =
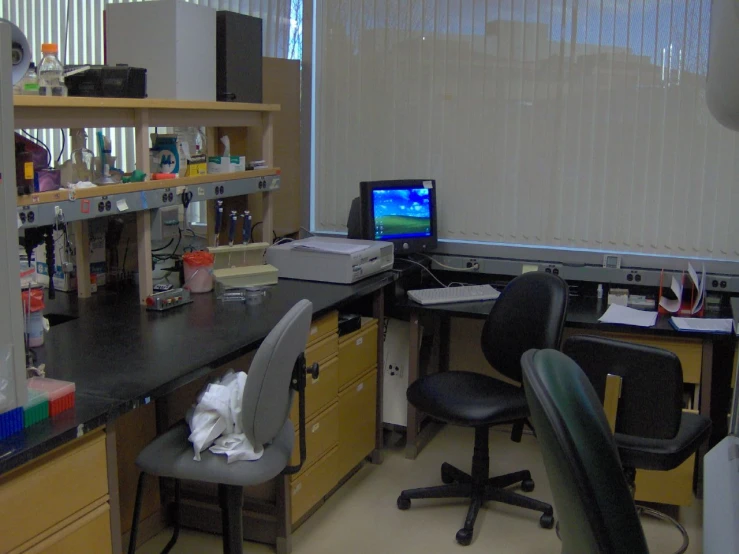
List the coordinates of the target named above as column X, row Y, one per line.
column 401, row 213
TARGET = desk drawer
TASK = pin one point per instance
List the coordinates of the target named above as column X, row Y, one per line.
column 314, row 484
column 357, row 421
column 50, row 489
column 667, row 487
column 357, row 353
column 689, row 351
column 322, row 326
column 321, row 434
column 323, row 349
column 90, row 533
column 320, row 392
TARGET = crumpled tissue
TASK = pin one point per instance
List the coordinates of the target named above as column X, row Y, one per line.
column 215, row 423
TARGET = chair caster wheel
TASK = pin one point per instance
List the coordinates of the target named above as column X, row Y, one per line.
column 546, row 521
column 445, row 477
column 527, row 485
column 403, row 502
column 464, row 537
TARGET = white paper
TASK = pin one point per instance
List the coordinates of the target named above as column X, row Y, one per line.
column 628, row 316
column 122, row 205
column 700, row 324
column 673, row 306
column 332, row 247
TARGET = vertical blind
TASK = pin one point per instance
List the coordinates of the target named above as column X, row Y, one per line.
column 77, row 26
column 562, row 123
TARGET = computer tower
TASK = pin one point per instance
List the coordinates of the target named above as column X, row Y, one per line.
column 238, row 57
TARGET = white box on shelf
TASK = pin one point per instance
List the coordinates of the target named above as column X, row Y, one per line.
column 174, row 40
column 68, row 281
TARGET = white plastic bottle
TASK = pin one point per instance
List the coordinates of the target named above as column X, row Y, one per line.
column 51, row 72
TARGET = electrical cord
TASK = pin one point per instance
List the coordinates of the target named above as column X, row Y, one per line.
column 64, row 145
column 426, row 269
column 433, row 261
column 163, row 247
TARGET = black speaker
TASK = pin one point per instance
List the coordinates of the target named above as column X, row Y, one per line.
column 238, row 57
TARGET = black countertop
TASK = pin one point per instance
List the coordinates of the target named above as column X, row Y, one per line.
column 582, row 312
column 120, row 356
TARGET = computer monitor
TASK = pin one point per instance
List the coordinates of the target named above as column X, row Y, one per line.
column 402, row 212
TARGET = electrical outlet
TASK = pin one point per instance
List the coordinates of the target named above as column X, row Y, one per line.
column 473, row 264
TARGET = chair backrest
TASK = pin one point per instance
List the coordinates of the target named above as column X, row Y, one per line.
column 529, row 313
column 595, row 509
column 267, row 395
column 652, row 383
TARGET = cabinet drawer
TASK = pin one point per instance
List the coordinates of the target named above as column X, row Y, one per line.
column 314, row 484
column 322, row 326
column 667, row 487
column 357, row 353
column 321, row 434
column 357, row 421
column 323, row 349
column 90, row 533
column 44, row 492
column 320, row 392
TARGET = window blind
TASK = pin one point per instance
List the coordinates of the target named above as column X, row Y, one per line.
column 77, row 26
column 555, row 123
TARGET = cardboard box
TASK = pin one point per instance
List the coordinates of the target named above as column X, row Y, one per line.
column 68, row 281
column 226, row 164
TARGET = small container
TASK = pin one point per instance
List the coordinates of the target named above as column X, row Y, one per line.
column 11, row 422
column 47, row 180
column 59, row 393
column 198, row 268
column 35, row 325
column 36, row 409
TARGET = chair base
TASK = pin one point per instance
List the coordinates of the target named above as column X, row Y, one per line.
column 480, row 488
column 230, row 499
column 664, row 517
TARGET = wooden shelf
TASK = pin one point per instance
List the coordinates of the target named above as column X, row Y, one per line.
column 39, row 112
column 57, row 102
column 63, row 195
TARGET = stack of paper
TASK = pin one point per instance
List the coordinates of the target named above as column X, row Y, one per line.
column 628, row 316
column 702, row 325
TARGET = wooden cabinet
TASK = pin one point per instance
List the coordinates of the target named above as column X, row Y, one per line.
column 357, row 421
column 315, row 483
column 321, row 434
column 48, row 502
column 319, row 392
column 357, row 352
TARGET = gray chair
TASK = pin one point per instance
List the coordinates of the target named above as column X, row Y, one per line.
column 277, row 371
column 593, row 501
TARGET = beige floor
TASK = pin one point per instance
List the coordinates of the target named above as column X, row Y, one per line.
column 361, row 518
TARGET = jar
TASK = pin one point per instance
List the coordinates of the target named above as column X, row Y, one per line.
column 198, row 268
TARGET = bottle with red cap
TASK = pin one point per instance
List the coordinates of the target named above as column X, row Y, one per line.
column 51, row 72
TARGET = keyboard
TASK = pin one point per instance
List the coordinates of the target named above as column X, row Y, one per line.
column 451, row 295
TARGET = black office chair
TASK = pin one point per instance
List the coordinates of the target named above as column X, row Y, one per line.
column 529, row 313
column 652, row 431
column 594, row 504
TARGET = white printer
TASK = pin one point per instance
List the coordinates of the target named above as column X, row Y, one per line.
column 331, row 260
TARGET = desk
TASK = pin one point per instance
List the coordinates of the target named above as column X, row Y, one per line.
column 582, row 314
column 122, row 357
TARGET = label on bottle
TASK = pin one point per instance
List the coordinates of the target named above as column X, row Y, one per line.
column 28, row 170
column 30, row 88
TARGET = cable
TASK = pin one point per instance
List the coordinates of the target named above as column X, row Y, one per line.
column 426, row 269
column 433, row 261
column 64, row 145
column 253, row 227
column 163, row 247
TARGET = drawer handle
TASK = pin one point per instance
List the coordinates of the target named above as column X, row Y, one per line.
column 360, row 386
column 315, row 427
column 360, row 340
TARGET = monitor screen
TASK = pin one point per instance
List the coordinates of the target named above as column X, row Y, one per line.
column 401, row 213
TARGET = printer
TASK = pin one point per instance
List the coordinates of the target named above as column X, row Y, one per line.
column 331, row 260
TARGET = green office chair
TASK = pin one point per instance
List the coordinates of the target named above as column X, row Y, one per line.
column 593, row 501
column 277, row 371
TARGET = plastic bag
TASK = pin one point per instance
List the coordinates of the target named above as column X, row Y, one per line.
column 37, row 300
column 199, row 258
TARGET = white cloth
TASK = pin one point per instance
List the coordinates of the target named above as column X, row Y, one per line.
column 216, row 421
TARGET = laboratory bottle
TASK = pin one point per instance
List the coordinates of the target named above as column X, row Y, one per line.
column 51, row 72
column 29, row 83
